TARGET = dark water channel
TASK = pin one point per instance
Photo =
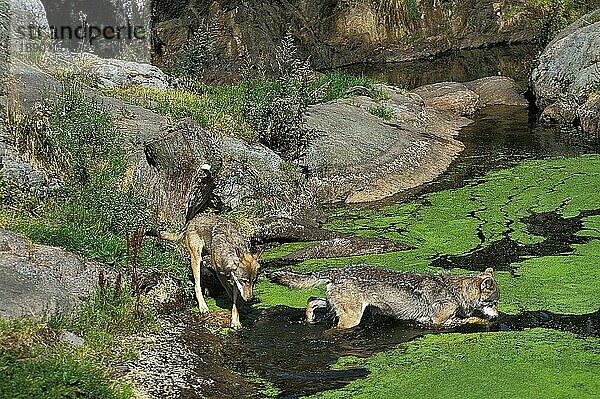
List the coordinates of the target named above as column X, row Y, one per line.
column 462, row 66
column 296, row 357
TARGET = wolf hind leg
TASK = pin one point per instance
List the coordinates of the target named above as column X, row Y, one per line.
column 312, row 304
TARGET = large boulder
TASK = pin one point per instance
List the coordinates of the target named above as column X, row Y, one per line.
column 176, row 173
column 450, row 96
column 464, row 99
column 112, row 72
column 360, row 157
column 41, row 281
column 566, row 81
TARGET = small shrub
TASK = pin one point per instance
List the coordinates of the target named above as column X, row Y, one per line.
column 191, row 61
column 380, row 95
column 382, row 112
column 278, row 116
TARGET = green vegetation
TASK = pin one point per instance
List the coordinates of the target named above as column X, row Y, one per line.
column 75, row 137
column 34, row 365
column 382, row 112
column 221, row 108
column 412, row 7
column 529, row 364
column 556, row 14
column 96, row 214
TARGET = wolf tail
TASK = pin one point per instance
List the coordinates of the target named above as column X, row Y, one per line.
column 165, row 235
column 297, row 280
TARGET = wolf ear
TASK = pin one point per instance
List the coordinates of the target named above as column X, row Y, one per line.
column 487, row 284
column 489, row 271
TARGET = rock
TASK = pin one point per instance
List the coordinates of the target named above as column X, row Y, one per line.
column 41, row 281
column 165, row 295
column 566, row 77
column 465, row 99
column 71, row 338
column 346, row 246
column 256, row 178
column 450, row 96
column 120, row 73
column 4, row 41
column 177, row 173
column 589, row 114
column 359, row 157
column 497, row 90
column 29, row 25
column 336, row 33
column 562, row 112
column 289, row 230
column 23, row 174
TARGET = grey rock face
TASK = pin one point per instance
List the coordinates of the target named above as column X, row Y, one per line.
column 4, row 41
column 29, row 25
column 41, row 281
column 23, row 174
column 253, row 175
column 568, row 74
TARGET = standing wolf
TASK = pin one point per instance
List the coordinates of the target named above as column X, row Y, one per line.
column 229, row 255
column 434, row 300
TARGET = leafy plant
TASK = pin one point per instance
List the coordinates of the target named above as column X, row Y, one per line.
column 382, row 112
column 278, row 118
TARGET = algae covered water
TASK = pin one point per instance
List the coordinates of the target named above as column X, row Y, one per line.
column 521, row 199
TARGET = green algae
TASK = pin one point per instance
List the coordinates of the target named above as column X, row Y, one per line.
column 561, row 284
column 532, row 363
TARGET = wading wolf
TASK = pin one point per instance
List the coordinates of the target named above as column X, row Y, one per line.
column 434, row 300
column 229, row 258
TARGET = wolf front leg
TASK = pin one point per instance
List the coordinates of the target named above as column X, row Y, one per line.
column 195, row 251
column 235, row 316
column 312, row 304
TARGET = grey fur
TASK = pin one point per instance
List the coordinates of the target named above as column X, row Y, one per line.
column 433, row 300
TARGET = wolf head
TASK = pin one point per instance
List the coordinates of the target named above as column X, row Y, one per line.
column 244, row 273
column 489, row 294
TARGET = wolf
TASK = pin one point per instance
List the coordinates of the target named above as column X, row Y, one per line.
column 230, row 258
column 443, row 300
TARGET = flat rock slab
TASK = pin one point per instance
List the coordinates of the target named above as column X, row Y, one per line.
column 450, row 96
column 498, row 90
column 346, row 246
column 41, row 281
column 360, row 157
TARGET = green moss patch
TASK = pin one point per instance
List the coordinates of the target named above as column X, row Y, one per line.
column 530, row 364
